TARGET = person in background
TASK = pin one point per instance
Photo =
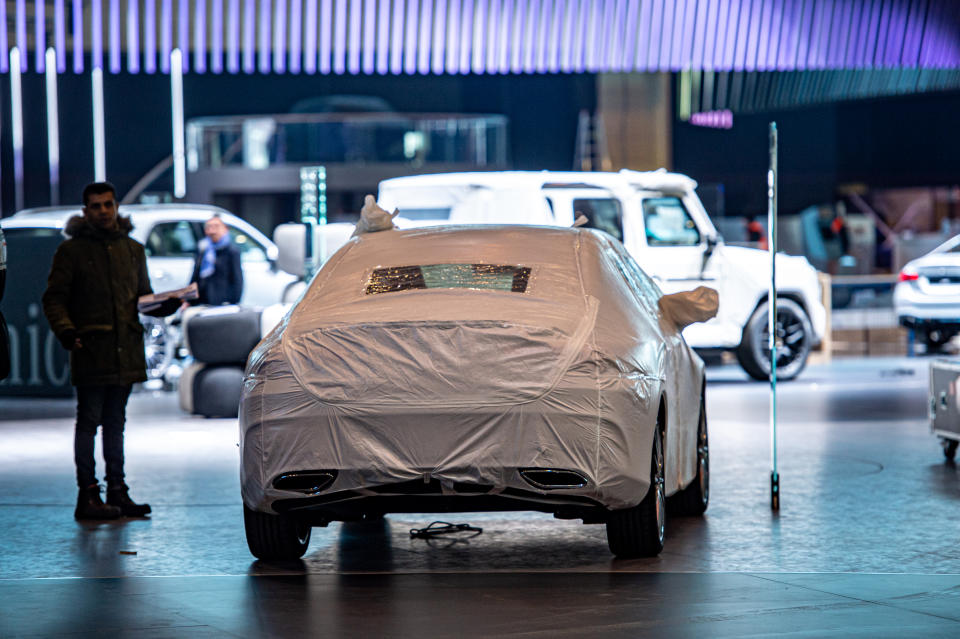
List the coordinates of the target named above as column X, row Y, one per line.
column 756, row 233
column 217, row 272
column 98, row 273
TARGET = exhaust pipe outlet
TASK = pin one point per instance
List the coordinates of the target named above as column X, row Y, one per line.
column 308, row 482
column 553, row 478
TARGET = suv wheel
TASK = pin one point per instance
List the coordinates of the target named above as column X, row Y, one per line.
column 795, row 336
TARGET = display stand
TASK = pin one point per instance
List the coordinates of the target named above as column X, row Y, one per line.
column 772, row 315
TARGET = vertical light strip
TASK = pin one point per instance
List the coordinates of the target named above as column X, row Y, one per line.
column 99, row 134
column 21, row 18
column 326, row 26
column 396, row 37
column 296, row 36
column 96, row 34
column 183, row 33
column 310, row 38
column 643, row 35
column 200, row 36
column 39, row 34
column 355, row 36
column 77, row 36
column 609, row 36
column 478, row 37
column 280, row 36
column 423, row 48
column 519, row 10
column 166, row 34
column 439, row 31
column 216, row 36
column 233, row 36
column 703, row 38
column 249, row 36
column 114, row 34
column 453, row 38
column 149, row 36
column 742, row 35
column 493, row 37
column 761, row 44
column 4, row 43
column 53, row 126
column 370, row 37
column 568, row 44
column 176, row 102
column 16, row 125
column 631, row 36
column 466, row 35
column 133, row 36
column 589, row 59
column 340, row 38
column 410, row 38
column 530, row 36
column 263, row 48
column 383, row 37
column 59, row 35
column 504, row 22
column 552, row 21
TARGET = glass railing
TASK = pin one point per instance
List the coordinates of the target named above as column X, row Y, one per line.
column 264, row 141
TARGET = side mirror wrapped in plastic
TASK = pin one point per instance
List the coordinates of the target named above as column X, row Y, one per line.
column 687, row 307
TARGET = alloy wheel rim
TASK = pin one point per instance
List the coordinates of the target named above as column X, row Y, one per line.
column 703, row 458
column 791, row 341
column 659, row 480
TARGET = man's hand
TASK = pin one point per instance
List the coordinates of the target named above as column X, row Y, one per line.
column 167, row 307
column 69, row 339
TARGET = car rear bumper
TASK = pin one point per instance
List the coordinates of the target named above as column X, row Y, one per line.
column 417, row 459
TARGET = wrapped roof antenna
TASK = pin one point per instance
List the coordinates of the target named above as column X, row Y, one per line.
column 373, row 218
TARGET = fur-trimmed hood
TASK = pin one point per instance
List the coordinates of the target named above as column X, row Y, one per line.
column 77, row 226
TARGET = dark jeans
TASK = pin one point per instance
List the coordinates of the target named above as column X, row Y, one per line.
column 106, row 406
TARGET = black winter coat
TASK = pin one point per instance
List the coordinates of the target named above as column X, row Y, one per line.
column 93, row 287
column 225, row 286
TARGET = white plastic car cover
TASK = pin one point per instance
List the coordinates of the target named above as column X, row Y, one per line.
column 464, row 354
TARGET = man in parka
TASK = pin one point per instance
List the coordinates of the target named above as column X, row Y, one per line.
column 98, row 273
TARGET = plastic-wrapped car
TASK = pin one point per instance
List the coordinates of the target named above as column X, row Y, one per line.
column 472, row 369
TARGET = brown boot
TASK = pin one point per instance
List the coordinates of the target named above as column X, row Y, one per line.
column 90, row 506
column 120, row 497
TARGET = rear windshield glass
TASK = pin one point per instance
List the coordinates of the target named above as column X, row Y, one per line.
column 493, row 277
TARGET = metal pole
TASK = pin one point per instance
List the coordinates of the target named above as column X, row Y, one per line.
column 53, row 126
column 772, row 315
column 99, row 135
column 176, row 96
column 16, row 117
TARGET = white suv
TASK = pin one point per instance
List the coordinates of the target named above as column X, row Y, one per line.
column 661, row 221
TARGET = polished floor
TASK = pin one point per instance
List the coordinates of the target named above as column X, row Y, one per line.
column 867, row 542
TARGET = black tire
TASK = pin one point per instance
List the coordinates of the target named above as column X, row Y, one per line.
column 218, row 337
column 273, row 537
column 950, row 449
column 796, row 339
column 936, row 338
column 639, row 531
column 694, row 499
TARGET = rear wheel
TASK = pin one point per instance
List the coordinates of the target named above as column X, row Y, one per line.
column 794, row 341
column 936, row 338
column 693, row 499
column 949, row 448
column 275, row 536
column 639, row 531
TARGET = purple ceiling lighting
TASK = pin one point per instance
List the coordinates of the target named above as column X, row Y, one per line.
column 115, row 49
column 96, row 34
column 133, row 36
column 296, row 35
column 263, row 48
column 510, row 36
column 200, row 36
column 166, row 34
column 4, row 43
column 21, row 22
column 40, row 34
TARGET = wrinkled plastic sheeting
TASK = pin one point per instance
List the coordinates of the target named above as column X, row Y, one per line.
column 373, row 218
column 460, row 385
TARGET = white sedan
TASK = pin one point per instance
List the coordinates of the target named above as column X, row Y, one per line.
column 476, row 369
column 927, row 297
